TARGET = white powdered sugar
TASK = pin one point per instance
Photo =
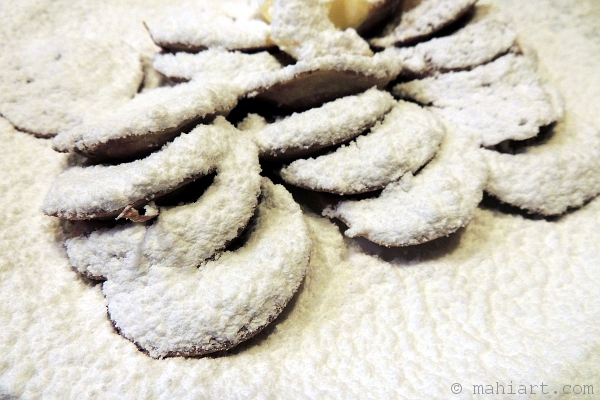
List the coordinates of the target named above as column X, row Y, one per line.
column 302, row 29
column 547, row 179
column 190, row 310
column 477, row 43
column 332, row 123
column 505, row 99
column 184, row 234
column 50, row 84
column 198, row 29
column 507, row 300
column 213, row 64
column 104, row 190
column 104, row 252
column 435, row 202
column 150, row 119
column 421, row 18
column 407, row 138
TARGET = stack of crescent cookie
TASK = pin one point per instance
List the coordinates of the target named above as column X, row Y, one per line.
column 406, row 113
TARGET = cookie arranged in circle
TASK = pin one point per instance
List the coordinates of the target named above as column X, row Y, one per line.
column 479, row 42
column 194, row 30
column 107, row 190
column 213, row 63
column 311, row 83
column 333, row 123
column 420, row 19
column 149, row 120
column 403, row 142
column 550, row 178
column 51, row 84
column 184, row 234
column 503, row 100
column 178, row 311
column 435, row 202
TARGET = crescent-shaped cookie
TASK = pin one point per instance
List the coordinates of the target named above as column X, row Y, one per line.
column 550, row 178
column 407, row 138
column 302, row 29
column 311, row 83
column 107, row 190
column 193, row 30
column 479, row 42
column 213, row 63
column 333, row 123
column 178, row 311
column 420, row 19
column 437, row 201
column 149, row 120
column 502, row 100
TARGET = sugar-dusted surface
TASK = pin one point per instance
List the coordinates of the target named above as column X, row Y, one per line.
column 507, row 299
column 213, row 63
column 302, row 29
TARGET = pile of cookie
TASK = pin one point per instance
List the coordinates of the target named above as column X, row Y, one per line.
column 417, row 106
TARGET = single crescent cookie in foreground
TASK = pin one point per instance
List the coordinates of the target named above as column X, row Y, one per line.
column 178, row 311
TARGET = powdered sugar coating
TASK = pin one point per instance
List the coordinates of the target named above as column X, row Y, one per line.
column 302, row 29
column 550, row 178
column 420, row 19
column 332, row 123
column 310, row 83
column 105, row 252
column 407, row 138
column 213, row 63
column 477, row 43
column 505, row 99
column 105, row 190
column 50, row 84
column 185, row 234
column 149, row 120
column 196, row 30
column 437, row 201
column 189, row 311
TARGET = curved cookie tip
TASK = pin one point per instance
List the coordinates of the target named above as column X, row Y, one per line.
column 549, row 179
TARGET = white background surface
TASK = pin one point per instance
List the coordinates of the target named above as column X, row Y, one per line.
column 508, row 300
